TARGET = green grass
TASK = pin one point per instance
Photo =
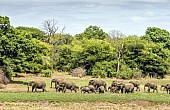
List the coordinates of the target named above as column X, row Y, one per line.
column 18, row 91
column 78, row 97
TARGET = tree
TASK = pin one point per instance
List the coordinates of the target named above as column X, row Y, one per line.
column 4, row 25
column 50, row 27
column 115, row 34
column 31, row 32
column 20, row 53
column 157, row 35
column 92, row 32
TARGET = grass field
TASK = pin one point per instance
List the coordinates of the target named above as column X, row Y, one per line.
column 16, row 94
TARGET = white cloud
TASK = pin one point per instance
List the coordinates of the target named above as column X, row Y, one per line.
column 138, row 19
column 150, row 13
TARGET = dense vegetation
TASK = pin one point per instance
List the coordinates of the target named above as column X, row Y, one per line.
column 31, row 50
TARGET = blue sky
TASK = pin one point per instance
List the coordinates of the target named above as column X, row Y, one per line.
column 128, row 16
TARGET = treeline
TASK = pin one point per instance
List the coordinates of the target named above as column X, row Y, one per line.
column 30, row 50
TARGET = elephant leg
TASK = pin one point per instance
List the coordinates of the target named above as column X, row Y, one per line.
column 148, row 89
column 139, row 88
column 32, row 88
column 35, row 89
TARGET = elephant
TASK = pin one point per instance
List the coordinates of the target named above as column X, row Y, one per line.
column 167, row 88
column 136, row 84
column 164, row 86
column 101, row 89
column 128, row 88
column 37, row 85
column 59, row 88
column 113, row 89
column 151, row 86
column 116, row 82
column 69, row 85
column 56, row 81
column 85, row 89
column 98, row 83
column 92, row 88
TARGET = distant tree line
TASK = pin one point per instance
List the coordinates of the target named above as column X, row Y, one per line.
column 31, row 50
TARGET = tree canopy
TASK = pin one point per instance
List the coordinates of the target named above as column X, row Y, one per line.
column 31, row 50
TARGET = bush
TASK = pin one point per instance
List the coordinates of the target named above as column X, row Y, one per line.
column 125, row 73
column 99, row 73
column 104, row 69
column 47, row 72
column 78, row 72
column 137, row 74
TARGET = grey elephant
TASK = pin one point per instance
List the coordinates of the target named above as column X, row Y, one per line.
column 113, row 89
column 151, row 86
column 98, row 83
column 164, row 86
column 101, row 89
column 69, row 85
column 128, row 88
column 136, row 85
column 92, row 89
column 167, row 88
column 37, row 85
column 85, row 89
column 56, row 81
column 116, row 82
column 59, row 88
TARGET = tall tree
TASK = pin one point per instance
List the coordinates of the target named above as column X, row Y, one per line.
column 155, row 34
column 92, row 32
column 4, row 25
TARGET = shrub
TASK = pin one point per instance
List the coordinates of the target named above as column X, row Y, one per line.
column 104, row 69
column 125, row 73
column 78, row 72
column 47, row 72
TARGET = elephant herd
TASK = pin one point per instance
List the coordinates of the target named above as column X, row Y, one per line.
column 97, row 86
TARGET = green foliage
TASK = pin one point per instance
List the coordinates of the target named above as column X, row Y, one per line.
column 31, row 32
column 92, row 32
column 104, row 69
column 21, row 53
column 84, row 53
column 125, row 73
column 24, row 49
column 156, row 35
column 4, row 25
column 47, row 72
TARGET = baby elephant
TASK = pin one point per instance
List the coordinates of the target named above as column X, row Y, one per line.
column 85, row 89
column 151, row 86
column 37, row 85
column 113, row 89
column 88, row 89
column 101, row 89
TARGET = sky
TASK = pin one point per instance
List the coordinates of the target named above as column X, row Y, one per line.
column 131, row 17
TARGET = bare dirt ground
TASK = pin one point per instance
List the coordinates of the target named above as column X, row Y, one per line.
column 135, row 105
